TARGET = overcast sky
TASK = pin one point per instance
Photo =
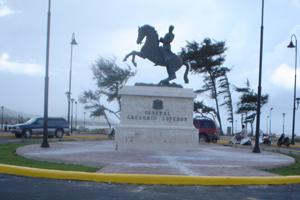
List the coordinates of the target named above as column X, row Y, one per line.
column 109, row 28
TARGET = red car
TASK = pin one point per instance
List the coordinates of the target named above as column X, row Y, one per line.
column 208, row 131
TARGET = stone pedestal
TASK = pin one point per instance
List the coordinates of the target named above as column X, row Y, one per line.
column 156, row 118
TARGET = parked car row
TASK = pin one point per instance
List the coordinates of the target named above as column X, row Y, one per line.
column 208, row 130
column 35, row 126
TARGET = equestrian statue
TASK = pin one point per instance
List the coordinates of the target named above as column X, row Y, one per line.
column 162, row 56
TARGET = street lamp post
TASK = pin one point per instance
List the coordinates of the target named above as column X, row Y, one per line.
column 72, row 100
column 76, row 115
column 236, row 126
column 291, row 45
column 270, row 120
column 283, row 115
column 73, row 42
column 298, row 100
column 2, row 117
column 84, row 119
column 267, row 124
column 68, row 99
column 45, row 143
column 256, row 147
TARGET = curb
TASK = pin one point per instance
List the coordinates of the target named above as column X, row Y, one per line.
column 151, row 179
column 148, row 179
column 260, row 146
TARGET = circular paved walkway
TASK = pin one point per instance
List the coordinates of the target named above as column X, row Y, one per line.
column 210, row 160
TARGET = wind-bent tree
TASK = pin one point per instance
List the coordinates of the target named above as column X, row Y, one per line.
column 248, row 103
column 206, row 58
column 225, row 89
column 203, row 110
column 110, row 78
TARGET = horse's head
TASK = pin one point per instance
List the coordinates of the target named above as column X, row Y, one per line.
column 142, row 34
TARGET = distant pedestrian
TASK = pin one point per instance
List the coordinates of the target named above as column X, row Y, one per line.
column 5, row 126
column 13, row 121
column 21, row 120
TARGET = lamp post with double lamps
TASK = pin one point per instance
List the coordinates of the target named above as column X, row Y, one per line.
column 291, row 45
column 73, row 42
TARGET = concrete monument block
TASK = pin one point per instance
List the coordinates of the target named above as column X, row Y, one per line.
column 156, row 118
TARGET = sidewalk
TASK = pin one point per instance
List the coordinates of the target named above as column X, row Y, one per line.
column 212, row 164
column 210, row 160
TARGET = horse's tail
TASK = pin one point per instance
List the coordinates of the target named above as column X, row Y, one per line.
column 185, row 77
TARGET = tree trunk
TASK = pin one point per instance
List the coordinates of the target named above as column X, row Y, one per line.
column 107, row 120
column 217, row 103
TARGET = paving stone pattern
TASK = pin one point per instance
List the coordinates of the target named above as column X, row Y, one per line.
column 209, row 160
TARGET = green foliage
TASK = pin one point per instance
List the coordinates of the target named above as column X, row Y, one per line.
column 110, row 78
column 289, row 170
column 206, row 58
column 8, row 157
column 225, row 89
column 201, row 109
column 248, row 103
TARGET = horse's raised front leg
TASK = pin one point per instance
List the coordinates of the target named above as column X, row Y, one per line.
column 133, row 54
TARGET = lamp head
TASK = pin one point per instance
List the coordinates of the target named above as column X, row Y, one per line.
column 68, row 94
column 298, row 100
column 291, row 45
column 73, row 40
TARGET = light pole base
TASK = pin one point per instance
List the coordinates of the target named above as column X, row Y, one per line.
column 45, row 144
column 256, row 150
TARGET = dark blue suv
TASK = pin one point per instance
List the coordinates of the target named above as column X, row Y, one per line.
column 35, row 126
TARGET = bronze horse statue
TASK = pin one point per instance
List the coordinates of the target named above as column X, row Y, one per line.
column 151, row 51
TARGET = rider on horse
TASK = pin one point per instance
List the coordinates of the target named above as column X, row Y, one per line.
column 169, row 37
column 161, row 56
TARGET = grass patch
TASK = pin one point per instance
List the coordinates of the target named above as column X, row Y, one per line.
column 94, row 131
column 7, row 156
column 98, row 131
column 289, row 170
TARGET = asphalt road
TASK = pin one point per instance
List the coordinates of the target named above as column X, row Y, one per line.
column 27, row 188
column 19, row 187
